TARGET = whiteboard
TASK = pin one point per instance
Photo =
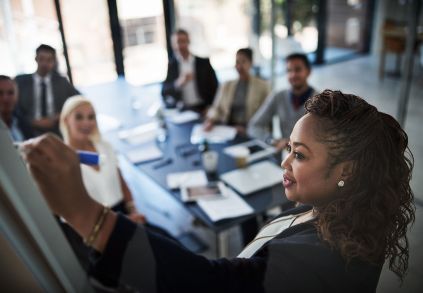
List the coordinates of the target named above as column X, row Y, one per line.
column 30, row 228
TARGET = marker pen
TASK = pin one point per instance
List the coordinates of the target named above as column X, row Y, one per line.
column 85, row 157
column 90, row 158
column 163, row 163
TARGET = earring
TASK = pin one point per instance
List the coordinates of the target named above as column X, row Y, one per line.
column 341, row 183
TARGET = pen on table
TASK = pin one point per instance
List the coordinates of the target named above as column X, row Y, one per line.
column 163, row 163
column 85, row 157
column 189, row 152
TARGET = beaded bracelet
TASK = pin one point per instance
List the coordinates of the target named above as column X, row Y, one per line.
column 96, row 229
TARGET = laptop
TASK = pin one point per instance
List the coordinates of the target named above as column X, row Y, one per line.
column 253, row 178
column 258, row 150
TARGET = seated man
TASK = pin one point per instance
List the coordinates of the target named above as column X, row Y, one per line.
column 286, row 104
column 191, row 82
column 20, row 128
column 43, row 93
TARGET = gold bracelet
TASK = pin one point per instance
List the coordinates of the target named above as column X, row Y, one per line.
column 130, row 206
column 97, row 227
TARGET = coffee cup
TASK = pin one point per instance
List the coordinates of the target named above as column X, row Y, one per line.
column 241, row 155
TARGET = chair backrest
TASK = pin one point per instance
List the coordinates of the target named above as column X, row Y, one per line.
column 394, row 36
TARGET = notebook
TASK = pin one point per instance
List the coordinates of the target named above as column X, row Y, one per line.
column 231, row 205
column 144, row 153
column 219, row 134
column 190, row 178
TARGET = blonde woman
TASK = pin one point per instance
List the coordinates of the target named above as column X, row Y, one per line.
column 104, row 183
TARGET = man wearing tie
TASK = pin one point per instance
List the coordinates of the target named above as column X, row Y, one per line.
column 43, row 93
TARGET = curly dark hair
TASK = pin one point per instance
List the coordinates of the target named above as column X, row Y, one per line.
column 369, row 219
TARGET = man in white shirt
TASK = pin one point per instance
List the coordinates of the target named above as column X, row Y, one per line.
column 43, row 93
column 191, row 81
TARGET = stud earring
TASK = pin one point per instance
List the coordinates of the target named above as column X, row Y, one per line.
column 341, row 183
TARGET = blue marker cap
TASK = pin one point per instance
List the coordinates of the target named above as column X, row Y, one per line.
column 90, row 158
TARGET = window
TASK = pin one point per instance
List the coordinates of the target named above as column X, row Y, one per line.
column 144, row 40
column 24, row 25
column 89, row 41
column 304, row 24
column 346, row 28
column 139, row 31
column 217, row 29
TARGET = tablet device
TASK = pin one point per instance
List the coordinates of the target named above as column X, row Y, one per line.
column 209, row 190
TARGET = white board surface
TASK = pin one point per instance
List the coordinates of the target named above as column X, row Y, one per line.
column 29, row 226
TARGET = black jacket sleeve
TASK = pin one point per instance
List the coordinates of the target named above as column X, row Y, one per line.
column 173, row 268
column 168, row 86
column 24, row 124
column 294, row 261
column 206, row 80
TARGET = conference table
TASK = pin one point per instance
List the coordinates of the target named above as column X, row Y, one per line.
column 180, row 156
column 187, row 157
column 184, row 156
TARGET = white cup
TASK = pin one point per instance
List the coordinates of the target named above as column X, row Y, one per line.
column 241, row 155
column 210, row 160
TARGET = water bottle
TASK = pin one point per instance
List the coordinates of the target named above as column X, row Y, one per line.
column 162, row 130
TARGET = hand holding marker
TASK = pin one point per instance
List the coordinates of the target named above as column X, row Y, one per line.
column 90, row 158
column 85, row 157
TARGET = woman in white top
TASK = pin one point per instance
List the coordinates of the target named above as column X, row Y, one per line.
column 104, row 183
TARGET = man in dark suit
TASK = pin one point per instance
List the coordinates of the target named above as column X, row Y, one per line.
column 43, row 93
column 19, row 127
column 191, row 82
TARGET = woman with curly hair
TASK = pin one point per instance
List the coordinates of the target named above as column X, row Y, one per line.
column 349, row 168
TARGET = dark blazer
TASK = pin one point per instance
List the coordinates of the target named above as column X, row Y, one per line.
column 295, row 261
column 24, row 124
column 205, row 77
column 61, row 87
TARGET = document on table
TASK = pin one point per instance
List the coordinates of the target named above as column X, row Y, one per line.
column 140, row 134
column 190, row 178
column 184, row 117
column 107, row 123
column 145, row 153
column 229, row 206
column 219, row 134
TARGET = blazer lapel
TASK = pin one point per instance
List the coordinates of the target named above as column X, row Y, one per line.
column 251, row 95
column 230, row 95
column 55, row 90
column 29, row 96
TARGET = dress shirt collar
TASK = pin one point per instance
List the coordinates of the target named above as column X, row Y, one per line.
column 298, row 101
column 38, row 78
column 182, row 60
